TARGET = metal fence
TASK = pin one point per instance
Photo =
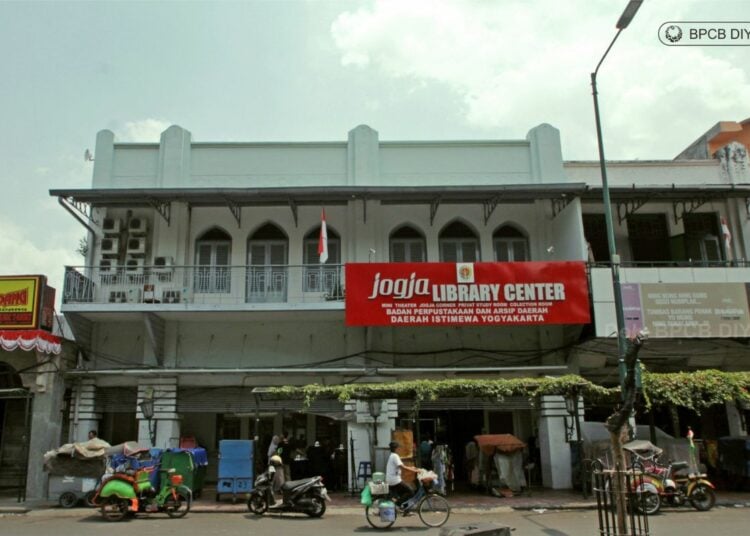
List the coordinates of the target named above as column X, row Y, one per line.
column 204, row 284
column 633, row 521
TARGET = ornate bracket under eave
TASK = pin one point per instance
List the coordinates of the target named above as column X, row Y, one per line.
column 559, row 204
column 293, row 208
column 82, row 212
column 489, row 206
column 164, row 208
column 155, row 328
column 687, row 207
column 235, row 209
column 434, row 205
column 626, row 208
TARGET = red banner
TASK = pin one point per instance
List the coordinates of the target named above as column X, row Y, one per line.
column 455, row 294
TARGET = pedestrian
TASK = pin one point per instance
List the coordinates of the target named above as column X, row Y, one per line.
column 285, row 451
column 425, row 453
column 393, row 468
column 93, row 435
column 273, row 447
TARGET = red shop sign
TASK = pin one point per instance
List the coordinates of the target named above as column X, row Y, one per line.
column 454, row 294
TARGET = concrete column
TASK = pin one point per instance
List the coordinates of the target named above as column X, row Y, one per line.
column 554, row 449
column 104, row 154
column 363, row 432
column 84, row 416
column 545, row 154
column 363, row 159
column 165, row 421
column 174, row 158
column 46, row 424
column 737, row 425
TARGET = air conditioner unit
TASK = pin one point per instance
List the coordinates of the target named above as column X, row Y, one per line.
column 133, row 265
column 136, row 245
column 137, row 226
column 108, row 266
column 111, row 226
column 163, row 264
column 118, row 296
column 171, row 296
column 110, row 246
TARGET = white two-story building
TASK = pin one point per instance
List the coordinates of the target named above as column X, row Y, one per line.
column 203, row 284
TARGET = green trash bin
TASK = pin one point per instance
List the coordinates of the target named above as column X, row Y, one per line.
column 182, row 462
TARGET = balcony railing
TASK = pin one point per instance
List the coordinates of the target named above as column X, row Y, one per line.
column 211, row 285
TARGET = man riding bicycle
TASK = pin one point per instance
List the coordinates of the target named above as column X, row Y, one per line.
column 393, row 468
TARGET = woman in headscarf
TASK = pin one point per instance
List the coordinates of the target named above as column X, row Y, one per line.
column 273, row 447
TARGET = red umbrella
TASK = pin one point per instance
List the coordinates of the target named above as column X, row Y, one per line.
column 505, row 443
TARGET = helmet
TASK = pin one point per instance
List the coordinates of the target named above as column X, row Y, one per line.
column 275, row 460
column 393, row 445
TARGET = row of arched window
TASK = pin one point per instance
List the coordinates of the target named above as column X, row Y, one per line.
column 269, row 245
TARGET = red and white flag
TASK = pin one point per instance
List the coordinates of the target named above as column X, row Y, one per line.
column 323, row 240
column 726, row 235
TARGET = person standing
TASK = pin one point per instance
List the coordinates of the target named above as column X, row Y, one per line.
column 425, row 452
column 393, row 469
column 286, row 455
column 273, row 447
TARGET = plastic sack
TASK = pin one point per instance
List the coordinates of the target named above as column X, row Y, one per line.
column 365, row 498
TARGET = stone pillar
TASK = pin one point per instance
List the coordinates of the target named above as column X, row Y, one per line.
column 554, row 449
column 83, row 414
column 48, row 391
column 165, row 422
column 363, row 431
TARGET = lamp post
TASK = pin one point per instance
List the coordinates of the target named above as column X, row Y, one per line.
column 614, row 258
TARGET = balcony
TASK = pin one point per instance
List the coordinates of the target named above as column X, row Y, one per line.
column 214, row 286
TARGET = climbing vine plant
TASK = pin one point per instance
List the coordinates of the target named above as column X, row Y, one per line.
column 692, row 390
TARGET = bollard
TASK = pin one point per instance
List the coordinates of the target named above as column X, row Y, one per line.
column 477, row 529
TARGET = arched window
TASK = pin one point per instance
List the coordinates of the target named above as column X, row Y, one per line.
column 322, row 277
column 510, row 245
column 407, row 245
column 458, row 243
column 267, row 259
column 213, row 251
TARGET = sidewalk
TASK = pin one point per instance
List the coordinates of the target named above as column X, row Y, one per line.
column 346, row 504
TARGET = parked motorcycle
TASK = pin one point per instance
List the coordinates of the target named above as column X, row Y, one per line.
column 305, row 496
column 669, row 483
column 124, row 494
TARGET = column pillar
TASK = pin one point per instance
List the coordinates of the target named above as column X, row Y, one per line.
column 165, row 422
column 553, row 447
column 84, row 416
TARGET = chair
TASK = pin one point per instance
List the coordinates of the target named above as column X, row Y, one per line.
column 364, row 472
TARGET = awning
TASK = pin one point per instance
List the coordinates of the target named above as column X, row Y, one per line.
column 30, row 339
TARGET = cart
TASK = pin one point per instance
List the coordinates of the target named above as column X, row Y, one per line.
column 74, row 471
column 235, row 468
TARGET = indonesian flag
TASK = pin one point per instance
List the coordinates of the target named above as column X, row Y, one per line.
column 323, row 240
column 725, row 233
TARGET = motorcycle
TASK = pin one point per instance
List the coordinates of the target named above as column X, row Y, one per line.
column 305, row 496
column 668, row 483
column 125, row 493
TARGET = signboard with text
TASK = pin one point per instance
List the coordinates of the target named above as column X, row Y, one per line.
column 455, row 294
column 20, row 298
column 676, row 310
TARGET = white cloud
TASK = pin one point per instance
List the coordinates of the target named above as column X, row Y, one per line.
column 22, row 256
column 516, row 64
column 143, row 130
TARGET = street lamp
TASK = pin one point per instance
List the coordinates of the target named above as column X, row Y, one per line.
column 147, row 408
column 374, row 407
column 614, row 258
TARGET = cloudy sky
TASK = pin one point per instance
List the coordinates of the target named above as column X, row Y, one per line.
column 312, row 70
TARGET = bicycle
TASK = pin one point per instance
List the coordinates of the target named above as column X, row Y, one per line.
column 433, row 509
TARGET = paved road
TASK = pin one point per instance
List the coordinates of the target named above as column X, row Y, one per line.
column 80, row 522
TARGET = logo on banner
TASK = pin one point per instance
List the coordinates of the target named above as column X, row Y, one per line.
column 465, row 272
